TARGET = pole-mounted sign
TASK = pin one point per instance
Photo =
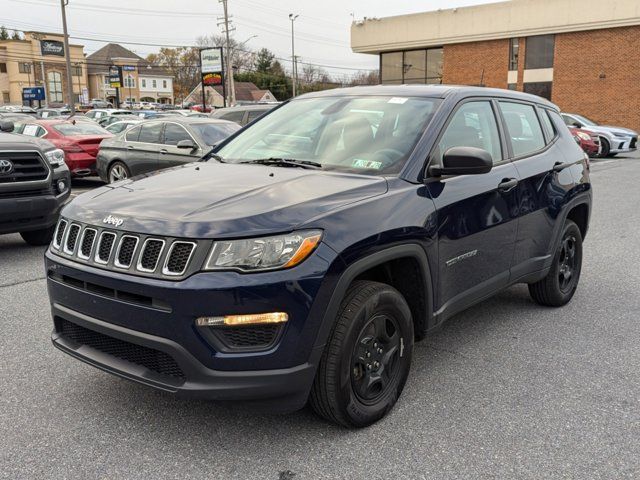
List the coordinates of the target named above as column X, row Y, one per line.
column 115, row 76
column 212, row 69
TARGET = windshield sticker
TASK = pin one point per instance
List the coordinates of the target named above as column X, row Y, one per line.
column 370, row 164
column 399, row 100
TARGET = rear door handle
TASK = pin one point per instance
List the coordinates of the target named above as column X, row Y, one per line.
column 507, row 184
column 559, row 166
column 163, row 151
column 130, row 147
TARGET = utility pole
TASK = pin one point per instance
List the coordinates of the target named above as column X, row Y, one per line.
column 67, row 57
column 294, row 65
column 229, row 68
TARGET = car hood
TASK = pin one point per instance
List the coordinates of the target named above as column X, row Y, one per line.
column 212, row 200
column 14, row 141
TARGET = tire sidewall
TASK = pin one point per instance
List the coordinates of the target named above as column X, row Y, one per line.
column 389, row 302
column 569, row 228
column 115, row 164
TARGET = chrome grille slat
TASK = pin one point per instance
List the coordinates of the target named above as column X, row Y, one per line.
column 104, row 248
column 150, row 254
column 71, row 239
column 126, row 251
column 86, row 243
column 57, row 238
column 178, row 258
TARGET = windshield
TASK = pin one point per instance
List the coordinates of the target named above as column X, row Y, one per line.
column 213, row 133
column 371, row 135
column 585, row 120
column 83, row 128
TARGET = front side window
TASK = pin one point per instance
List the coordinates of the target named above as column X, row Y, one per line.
column 236, row 116
column 214, row 133
column 538, row 52
column 55, row 86
column 523, row 128
column 173, row 133
column 370, row 134
column 473, row 125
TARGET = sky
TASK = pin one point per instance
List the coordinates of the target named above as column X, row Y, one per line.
column 321, row 30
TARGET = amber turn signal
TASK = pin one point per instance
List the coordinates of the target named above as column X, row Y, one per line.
column 240, row 320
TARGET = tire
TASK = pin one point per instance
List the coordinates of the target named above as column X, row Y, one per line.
column 118, row 171
column 366, row 361
column 39, row 237
column 558, row 287
column 604, row 147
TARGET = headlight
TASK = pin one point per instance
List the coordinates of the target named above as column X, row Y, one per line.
column 55, row 157
column 265, row 253
column 583, row 136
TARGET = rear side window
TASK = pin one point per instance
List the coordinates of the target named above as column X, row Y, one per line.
column 133, row 134
column 150, row 133
column 473, row 125
column 523, row 128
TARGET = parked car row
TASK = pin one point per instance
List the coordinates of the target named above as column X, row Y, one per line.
column 611, row 140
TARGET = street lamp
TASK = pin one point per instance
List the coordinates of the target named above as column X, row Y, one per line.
column 294, row 71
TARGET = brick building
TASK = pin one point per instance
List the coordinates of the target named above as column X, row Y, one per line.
column 581, row 54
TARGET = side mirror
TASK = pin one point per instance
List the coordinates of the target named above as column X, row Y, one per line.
column 463, row 161
column 6, row 126
column 577, row 124
column 186, row 144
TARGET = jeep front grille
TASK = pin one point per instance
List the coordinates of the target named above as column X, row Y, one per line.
column 128, row 252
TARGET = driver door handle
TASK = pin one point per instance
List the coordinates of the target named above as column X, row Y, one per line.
column 507, row 184
column 163, row 151
column 130, row 147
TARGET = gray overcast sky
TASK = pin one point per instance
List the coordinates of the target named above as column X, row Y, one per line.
column 322, row 30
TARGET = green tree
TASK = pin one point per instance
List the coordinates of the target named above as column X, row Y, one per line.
column 264, row 61
column 183, row 64
column 4, row 35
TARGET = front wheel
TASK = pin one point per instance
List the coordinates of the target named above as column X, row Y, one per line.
column 38, row 237
column 118, row 171
column 604, row 147
column 366, row 361
column 558, row 287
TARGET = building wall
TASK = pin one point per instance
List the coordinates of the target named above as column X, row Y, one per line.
column 477, row 63
column 597, row 74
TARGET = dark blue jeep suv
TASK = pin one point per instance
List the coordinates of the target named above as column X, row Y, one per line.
column 299, row 261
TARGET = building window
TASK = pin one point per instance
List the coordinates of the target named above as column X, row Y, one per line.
column 143, row 83
column 542, row 89
column 24, row 67
column 3, row 68
column 76, row 71
column 512, row 86
column 55, row 86
column 539, row 52
column 5, row 97
column 129, row 81
column 514, row 47
column 106, row 81
column 412, row 66
column 164, row 84
column 154, row 84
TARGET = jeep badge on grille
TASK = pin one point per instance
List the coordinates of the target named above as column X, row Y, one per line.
column 111, row 220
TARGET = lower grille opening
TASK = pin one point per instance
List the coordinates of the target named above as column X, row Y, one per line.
column 154, row 360
column 245, row 338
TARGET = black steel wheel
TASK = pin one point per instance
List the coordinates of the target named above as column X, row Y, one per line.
column 558, row 287
column 367, row 358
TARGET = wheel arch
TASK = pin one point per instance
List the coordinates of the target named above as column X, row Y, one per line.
column 579, row 214
column 385, row 266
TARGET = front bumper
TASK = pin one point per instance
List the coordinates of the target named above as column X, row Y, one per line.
column 623, row 144
column 279, row 377
column 27, row 213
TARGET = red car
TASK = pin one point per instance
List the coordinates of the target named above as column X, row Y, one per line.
column 198, row 108
column 589, row 141
column 79, row 140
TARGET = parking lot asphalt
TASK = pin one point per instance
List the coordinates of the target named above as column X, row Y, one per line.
column 506, row 389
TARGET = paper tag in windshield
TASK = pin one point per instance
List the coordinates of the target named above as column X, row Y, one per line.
column 30, row 130
column 399, row 100
column 370, row 164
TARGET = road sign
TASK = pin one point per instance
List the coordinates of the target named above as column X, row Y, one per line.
column 115, row 76
column 129, row 68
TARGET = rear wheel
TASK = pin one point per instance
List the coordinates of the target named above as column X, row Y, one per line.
column 118, row 171
column 39, row 237
column 558, row 287
column 366, row 361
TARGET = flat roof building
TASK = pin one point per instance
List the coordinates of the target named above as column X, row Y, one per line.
column 580, row 54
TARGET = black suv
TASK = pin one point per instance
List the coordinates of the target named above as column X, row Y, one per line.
column 301, row 259
column 34, row 185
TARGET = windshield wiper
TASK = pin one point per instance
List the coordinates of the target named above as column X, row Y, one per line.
column 210, row 154
column 286, row 162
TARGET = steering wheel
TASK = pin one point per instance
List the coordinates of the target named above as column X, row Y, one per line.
column 392, row 155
